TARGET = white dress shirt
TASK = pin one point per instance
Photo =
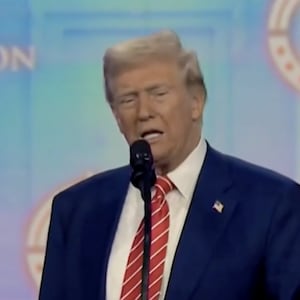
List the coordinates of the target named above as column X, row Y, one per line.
column 184, row 178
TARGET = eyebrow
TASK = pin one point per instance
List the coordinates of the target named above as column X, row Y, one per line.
column 157, row 86
column 128, row 93
column 148, row 89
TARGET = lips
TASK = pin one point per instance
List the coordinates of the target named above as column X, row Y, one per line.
column 151, row 134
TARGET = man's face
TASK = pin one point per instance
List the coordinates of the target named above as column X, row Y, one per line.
column 151, row 102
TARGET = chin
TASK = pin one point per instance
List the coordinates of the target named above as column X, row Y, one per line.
column 160, row 158
column 156, row 152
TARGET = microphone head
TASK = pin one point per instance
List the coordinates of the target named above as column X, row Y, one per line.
column 141, row 161
column 140, row 155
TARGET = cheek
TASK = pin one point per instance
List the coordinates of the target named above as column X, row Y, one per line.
column 174, row 124
column 118, row 120
column 179, row 121
column 126, row 125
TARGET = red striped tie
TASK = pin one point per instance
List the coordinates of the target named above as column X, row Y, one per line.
column 131, row 289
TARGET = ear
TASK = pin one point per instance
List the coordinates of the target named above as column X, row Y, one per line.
column 198, row 102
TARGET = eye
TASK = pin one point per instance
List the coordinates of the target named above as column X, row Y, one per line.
column 126, row 100
column 160, row 92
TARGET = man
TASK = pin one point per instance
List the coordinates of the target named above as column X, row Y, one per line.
column 233, row 229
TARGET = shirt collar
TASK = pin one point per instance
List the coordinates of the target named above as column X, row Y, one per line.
column 184, row 177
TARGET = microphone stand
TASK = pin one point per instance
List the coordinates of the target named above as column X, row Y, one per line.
column 143, row 177
column 146, row 195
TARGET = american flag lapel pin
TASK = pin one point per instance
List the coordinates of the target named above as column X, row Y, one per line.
column 218, row 206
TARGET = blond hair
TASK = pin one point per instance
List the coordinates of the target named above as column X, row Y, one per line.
column 162, row 45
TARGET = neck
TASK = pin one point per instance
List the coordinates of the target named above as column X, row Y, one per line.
column 163, row 168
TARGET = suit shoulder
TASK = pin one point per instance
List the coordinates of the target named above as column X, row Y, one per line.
column 84, row 195
column 94, row 183
column 98, row 179
column 253, row 174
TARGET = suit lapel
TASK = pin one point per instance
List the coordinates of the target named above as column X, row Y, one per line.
column 99, row 230
column 203, row 226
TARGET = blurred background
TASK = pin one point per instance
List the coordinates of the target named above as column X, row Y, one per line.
column 55, row 125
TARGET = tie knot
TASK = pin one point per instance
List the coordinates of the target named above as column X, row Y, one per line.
column 163, row 185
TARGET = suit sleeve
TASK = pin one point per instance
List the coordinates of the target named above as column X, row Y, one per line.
column 283, row 248
column 52, row 283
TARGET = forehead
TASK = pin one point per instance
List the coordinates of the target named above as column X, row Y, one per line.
column 148, row 74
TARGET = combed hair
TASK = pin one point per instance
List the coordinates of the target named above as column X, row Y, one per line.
column 162, row 45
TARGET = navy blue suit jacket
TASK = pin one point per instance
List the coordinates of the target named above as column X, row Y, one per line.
column 249, row 251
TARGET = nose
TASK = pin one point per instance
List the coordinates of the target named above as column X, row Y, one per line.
column 144, row 109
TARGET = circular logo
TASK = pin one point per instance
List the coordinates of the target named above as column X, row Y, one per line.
column 283, row 50
column 36, row 241
column 36, row 236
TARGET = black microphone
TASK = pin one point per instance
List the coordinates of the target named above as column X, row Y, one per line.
column 143, row 177
column 141, row 161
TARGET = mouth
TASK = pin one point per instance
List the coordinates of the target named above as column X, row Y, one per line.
column 151, row 135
